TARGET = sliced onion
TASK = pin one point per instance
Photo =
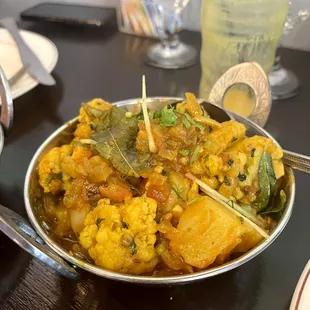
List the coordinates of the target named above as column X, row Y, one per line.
column 77, row 218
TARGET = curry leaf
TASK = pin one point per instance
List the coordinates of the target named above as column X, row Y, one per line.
column 271, row 174
column 267, row 182
column 116, row 140
column 263, row 198
column 277, row 205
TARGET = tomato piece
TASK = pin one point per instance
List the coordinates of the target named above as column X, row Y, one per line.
column 116, row 192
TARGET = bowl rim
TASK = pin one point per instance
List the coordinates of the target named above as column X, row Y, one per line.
column 1, row 139
column 178, row 279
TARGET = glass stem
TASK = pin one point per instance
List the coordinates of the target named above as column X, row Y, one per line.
column 171, row 38
column 277, row 60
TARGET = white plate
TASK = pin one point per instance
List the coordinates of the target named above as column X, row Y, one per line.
column 11, row 63
column 301, row 297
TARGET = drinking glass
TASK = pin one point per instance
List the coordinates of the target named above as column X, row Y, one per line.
column 170, row 53
column 284, row 83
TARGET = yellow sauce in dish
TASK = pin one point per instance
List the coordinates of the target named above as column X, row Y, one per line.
column 240, row 99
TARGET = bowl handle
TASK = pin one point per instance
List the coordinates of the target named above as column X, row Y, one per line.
column 21, row 232
column 6, row 102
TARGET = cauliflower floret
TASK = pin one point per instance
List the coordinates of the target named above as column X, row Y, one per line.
column 84, row 128
column 254, row 146
column 229, row 133
column 122, row 238
column 50, row 174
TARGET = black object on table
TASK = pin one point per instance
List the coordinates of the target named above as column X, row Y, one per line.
column 108, row 64
column 69, row 14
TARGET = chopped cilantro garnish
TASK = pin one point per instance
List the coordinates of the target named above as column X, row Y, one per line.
column 178, row 192
column 230, row 162
column 49, row 179
column 186, row 123
column 99, row 220
column 184, row 152
column 168, row 117
column 195, row 154
column 193, row 200
column 133, row 248
column 59, row 176
column 191, row 120
column 52, row 177
column 124, row 225
column 253, row 152
column 207, row 144
column 226, row 181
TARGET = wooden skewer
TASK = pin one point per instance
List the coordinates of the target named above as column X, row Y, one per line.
column 147, row 122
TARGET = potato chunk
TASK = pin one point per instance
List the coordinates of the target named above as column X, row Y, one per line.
column 207, row 231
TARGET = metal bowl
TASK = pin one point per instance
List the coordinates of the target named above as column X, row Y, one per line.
column 6, row 110
column 33, row 202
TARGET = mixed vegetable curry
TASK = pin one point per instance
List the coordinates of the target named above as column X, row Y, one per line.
column 161, row 193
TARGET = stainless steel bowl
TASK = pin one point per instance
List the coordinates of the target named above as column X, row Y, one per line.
column 6, row 110
column 64, row 135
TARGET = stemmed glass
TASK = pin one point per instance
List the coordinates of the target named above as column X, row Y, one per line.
column 170, row 53
column 284, row 83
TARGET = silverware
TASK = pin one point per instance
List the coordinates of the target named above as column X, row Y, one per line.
column 35, row 68
column 297, row 161
column 20, row 231
column 17, row 76
column 251, row 74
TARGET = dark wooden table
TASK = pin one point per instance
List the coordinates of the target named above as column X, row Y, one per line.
column 96, row 63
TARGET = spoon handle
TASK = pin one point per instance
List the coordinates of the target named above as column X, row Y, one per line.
column 20, row 231
column 297, row 161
